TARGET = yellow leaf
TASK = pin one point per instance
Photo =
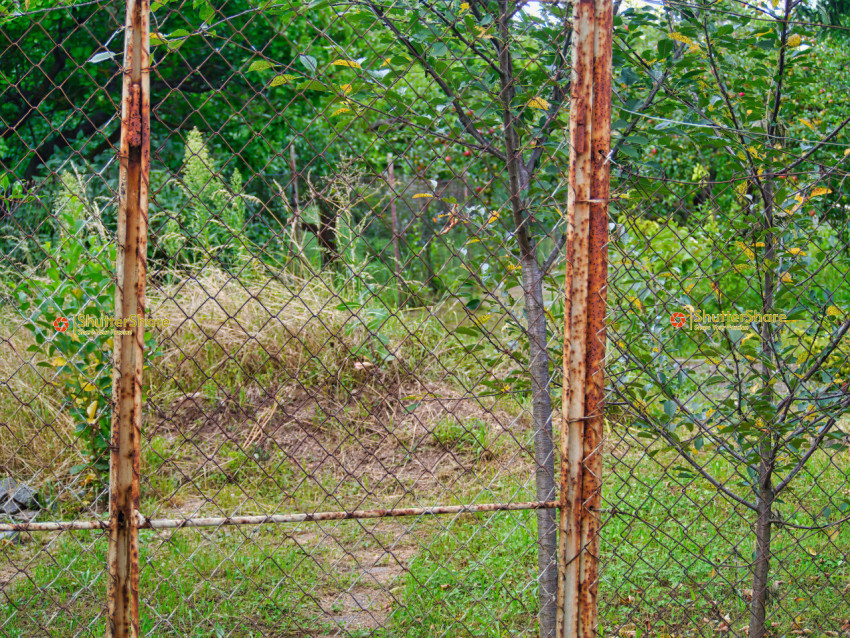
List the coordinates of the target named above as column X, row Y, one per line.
column 89, row 478
column 847, row 152
column 834, row 311
column 794, row 41
column 91, row 411
column 787, row 279
column 538, row 103
column 58, row 362
column 746, row 250
column 678, row 37
column 689, row 308
column 261, row 65
column 464, row 6
column 341, row 110
column 482, row 33
column 807, row 123
column 349, row 63
column 421, row 195
column 753, row 152
column 820, row 191
column 796, row 251
column 282, row 79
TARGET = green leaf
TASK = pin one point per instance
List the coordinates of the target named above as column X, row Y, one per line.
column 100, row 57
column 665, row 48
column 310, row 62
column 312, row 85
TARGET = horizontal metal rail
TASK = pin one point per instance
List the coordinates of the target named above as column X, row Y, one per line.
column 177, row 523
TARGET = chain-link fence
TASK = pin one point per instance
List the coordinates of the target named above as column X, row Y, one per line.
column 359, row 217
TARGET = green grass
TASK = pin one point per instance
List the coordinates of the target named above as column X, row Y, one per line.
column 470, row 435
column 475, row 579
column 677, row 568
column 193, row 584
column 674, row 565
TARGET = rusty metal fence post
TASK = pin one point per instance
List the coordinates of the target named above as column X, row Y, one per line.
column 123, row 584
column 584, row 319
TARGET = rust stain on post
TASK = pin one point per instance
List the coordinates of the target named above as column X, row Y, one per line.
column 596, row 307
column 584, row 320
column 131, row 266
column 575, row 320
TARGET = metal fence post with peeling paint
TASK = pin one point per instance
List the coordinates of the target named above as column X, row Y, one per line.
column 584, row 319
column 123, row 553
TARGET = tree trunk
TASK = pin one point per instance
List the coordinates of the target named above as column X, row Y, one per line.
column 761, row 569
column 532, row 284
column 427, row 245
column 395, row 229
column 767, row 452
column 544, row 457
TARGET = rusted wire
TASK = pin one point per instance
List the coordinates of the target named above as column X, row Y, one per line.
column 177, row 523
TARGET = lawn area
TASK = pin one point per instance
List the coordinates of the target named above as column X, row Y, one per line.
column 674, row 564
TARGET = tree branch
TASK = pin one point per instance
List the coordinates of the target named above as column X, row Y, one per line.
column 420, row 57
column 812, row 449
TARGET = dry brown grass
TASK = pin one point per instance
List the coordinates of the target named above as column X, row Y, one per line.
column 36, row 435
column 248, row 363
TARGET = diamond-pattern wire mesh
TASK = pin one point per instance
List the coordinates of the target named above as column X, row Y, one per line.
column 730, row 196
column 297, row 367
column 53, row 106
